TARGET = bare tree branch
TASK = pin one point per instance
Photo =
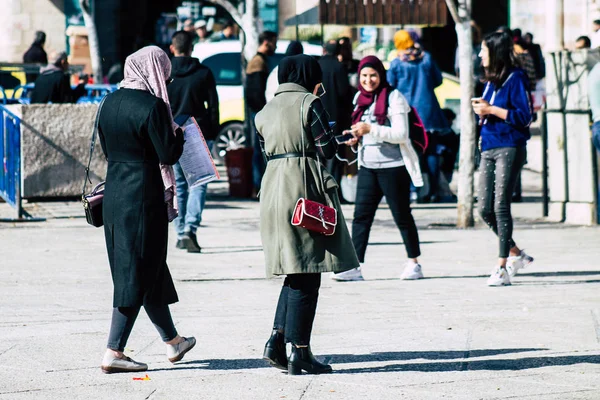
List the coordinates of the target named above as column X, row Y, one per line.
column 85, row 6
column 231, row 9
column 453, row 11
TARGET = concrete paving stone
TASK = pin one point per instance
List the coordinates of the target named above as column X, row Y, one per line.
column 445, row 337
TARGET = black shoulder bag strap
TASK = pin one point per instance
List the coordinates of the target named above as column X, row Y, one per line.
column 93, row 143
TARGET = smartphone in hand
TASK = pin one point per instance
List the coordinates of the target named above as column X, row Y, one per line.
column 341, row 139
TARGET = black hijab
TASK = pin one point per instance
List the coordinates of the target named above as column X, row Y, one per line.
column 302, row 70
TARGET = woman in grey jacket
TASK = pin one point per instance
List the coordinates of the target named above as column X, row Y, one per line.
column 388, row 163
column 296, row 137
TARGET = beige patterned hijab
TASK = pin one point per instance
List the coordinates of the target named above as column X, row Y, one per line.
column 148, row 69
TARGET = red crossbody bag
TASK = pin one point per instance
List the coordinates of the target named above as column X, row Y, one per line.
column 309, row 214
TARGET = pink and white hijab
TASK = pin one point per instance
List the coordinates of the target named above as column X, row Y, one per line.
column 148, row 69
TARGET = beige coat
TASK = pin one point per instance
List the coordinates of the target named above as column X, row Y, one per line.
column 289, row 249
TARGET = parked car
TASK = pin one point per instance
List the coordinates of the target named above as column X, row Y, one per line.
column 224, row 60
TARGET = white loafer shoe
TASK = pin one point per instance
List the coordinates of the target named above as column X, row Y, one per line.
column 175, row 352
column 113, row 365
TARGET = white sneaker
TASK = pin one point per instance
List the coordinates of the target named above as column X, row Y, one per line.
column 515, row 263
column 499, row 278
column 353, row 274
column 112, row 364
column 411, row 272
column 175, row 352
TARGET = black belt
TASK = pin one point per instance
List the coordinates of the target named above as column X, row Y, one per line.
column 310, row 154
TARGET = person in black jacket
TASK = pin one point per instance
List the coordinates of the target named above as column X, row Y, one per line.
column 538, row 56
column 140, row 142
column 338, row 93
column 337, row 99
column 36, row 54
column 54, row 84
column 192, row 92
column 257, row 73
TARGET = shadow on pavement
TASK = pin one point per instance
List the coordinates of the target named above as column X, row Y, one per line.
column 402, row 244
column 479, row 365
column 239, row 364
column 554, row 283
column 560, row 273
column 521, row 275
column 218, row 206
column 230, row 249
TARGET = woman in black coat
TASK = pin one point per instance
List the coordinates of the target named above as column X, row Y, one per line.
column 141, row 142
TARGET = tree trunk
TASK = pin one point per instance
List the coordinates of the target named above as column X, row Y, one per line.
column 250, row 27
column 466, row 166
column 247, row 19
column 92, row 40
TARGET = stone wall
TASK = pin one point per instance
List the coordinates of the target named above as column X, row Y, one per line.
column 19, row 19
column 55, row 140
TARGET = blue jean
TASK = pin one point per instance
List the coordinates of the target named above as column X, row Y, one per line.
column 190, row 202
column 596, row 142
column 433, row 171
column 596, row 135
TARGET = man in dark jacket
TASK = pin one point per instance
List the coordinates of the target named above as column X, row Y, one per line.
column 337, row 99
column 538, row 56
column 36, row 54
column 257, row 74
column 54, row 84
column 192, row 92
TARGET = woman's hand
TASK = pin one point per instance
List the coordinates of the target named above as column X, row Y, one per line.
column 360, row 129
column 351, row 142
column 482, row 107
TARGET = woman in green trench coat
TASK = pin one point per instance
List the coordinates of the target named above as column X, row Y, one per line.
column 296, row 117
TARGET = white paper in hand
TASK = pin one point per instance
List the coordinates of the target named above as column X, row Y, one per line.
column 196, row 162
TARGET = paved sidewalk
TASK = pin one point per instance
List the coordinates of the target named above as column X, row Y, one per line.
column 448, row 336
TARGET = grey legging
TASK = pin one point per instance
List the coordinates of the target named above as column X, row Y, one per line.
column 123, row 319
column 499, row 170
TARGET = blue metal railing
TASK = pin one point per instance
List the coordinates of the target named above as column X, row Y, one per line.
column 94, row 94
column 10, row 150
column 10, row 173
column 23, row 91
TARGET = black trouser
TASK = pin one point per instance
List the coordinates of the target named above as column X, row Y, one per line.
column 297, row 306
column 394, row 184
column 336, row 169
column 123, row 319
column 499, row 170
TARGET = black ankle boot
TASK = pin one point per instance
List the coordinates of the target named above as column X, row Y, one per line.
column 275, row 351
column 303, row 359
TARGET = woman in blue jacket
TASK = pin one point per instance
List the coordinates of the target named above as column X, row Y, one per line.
column 505, row 114
column 415, row 74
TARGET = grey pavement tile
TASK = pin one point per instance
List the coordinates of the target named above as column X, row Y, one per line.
column 447, row 336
